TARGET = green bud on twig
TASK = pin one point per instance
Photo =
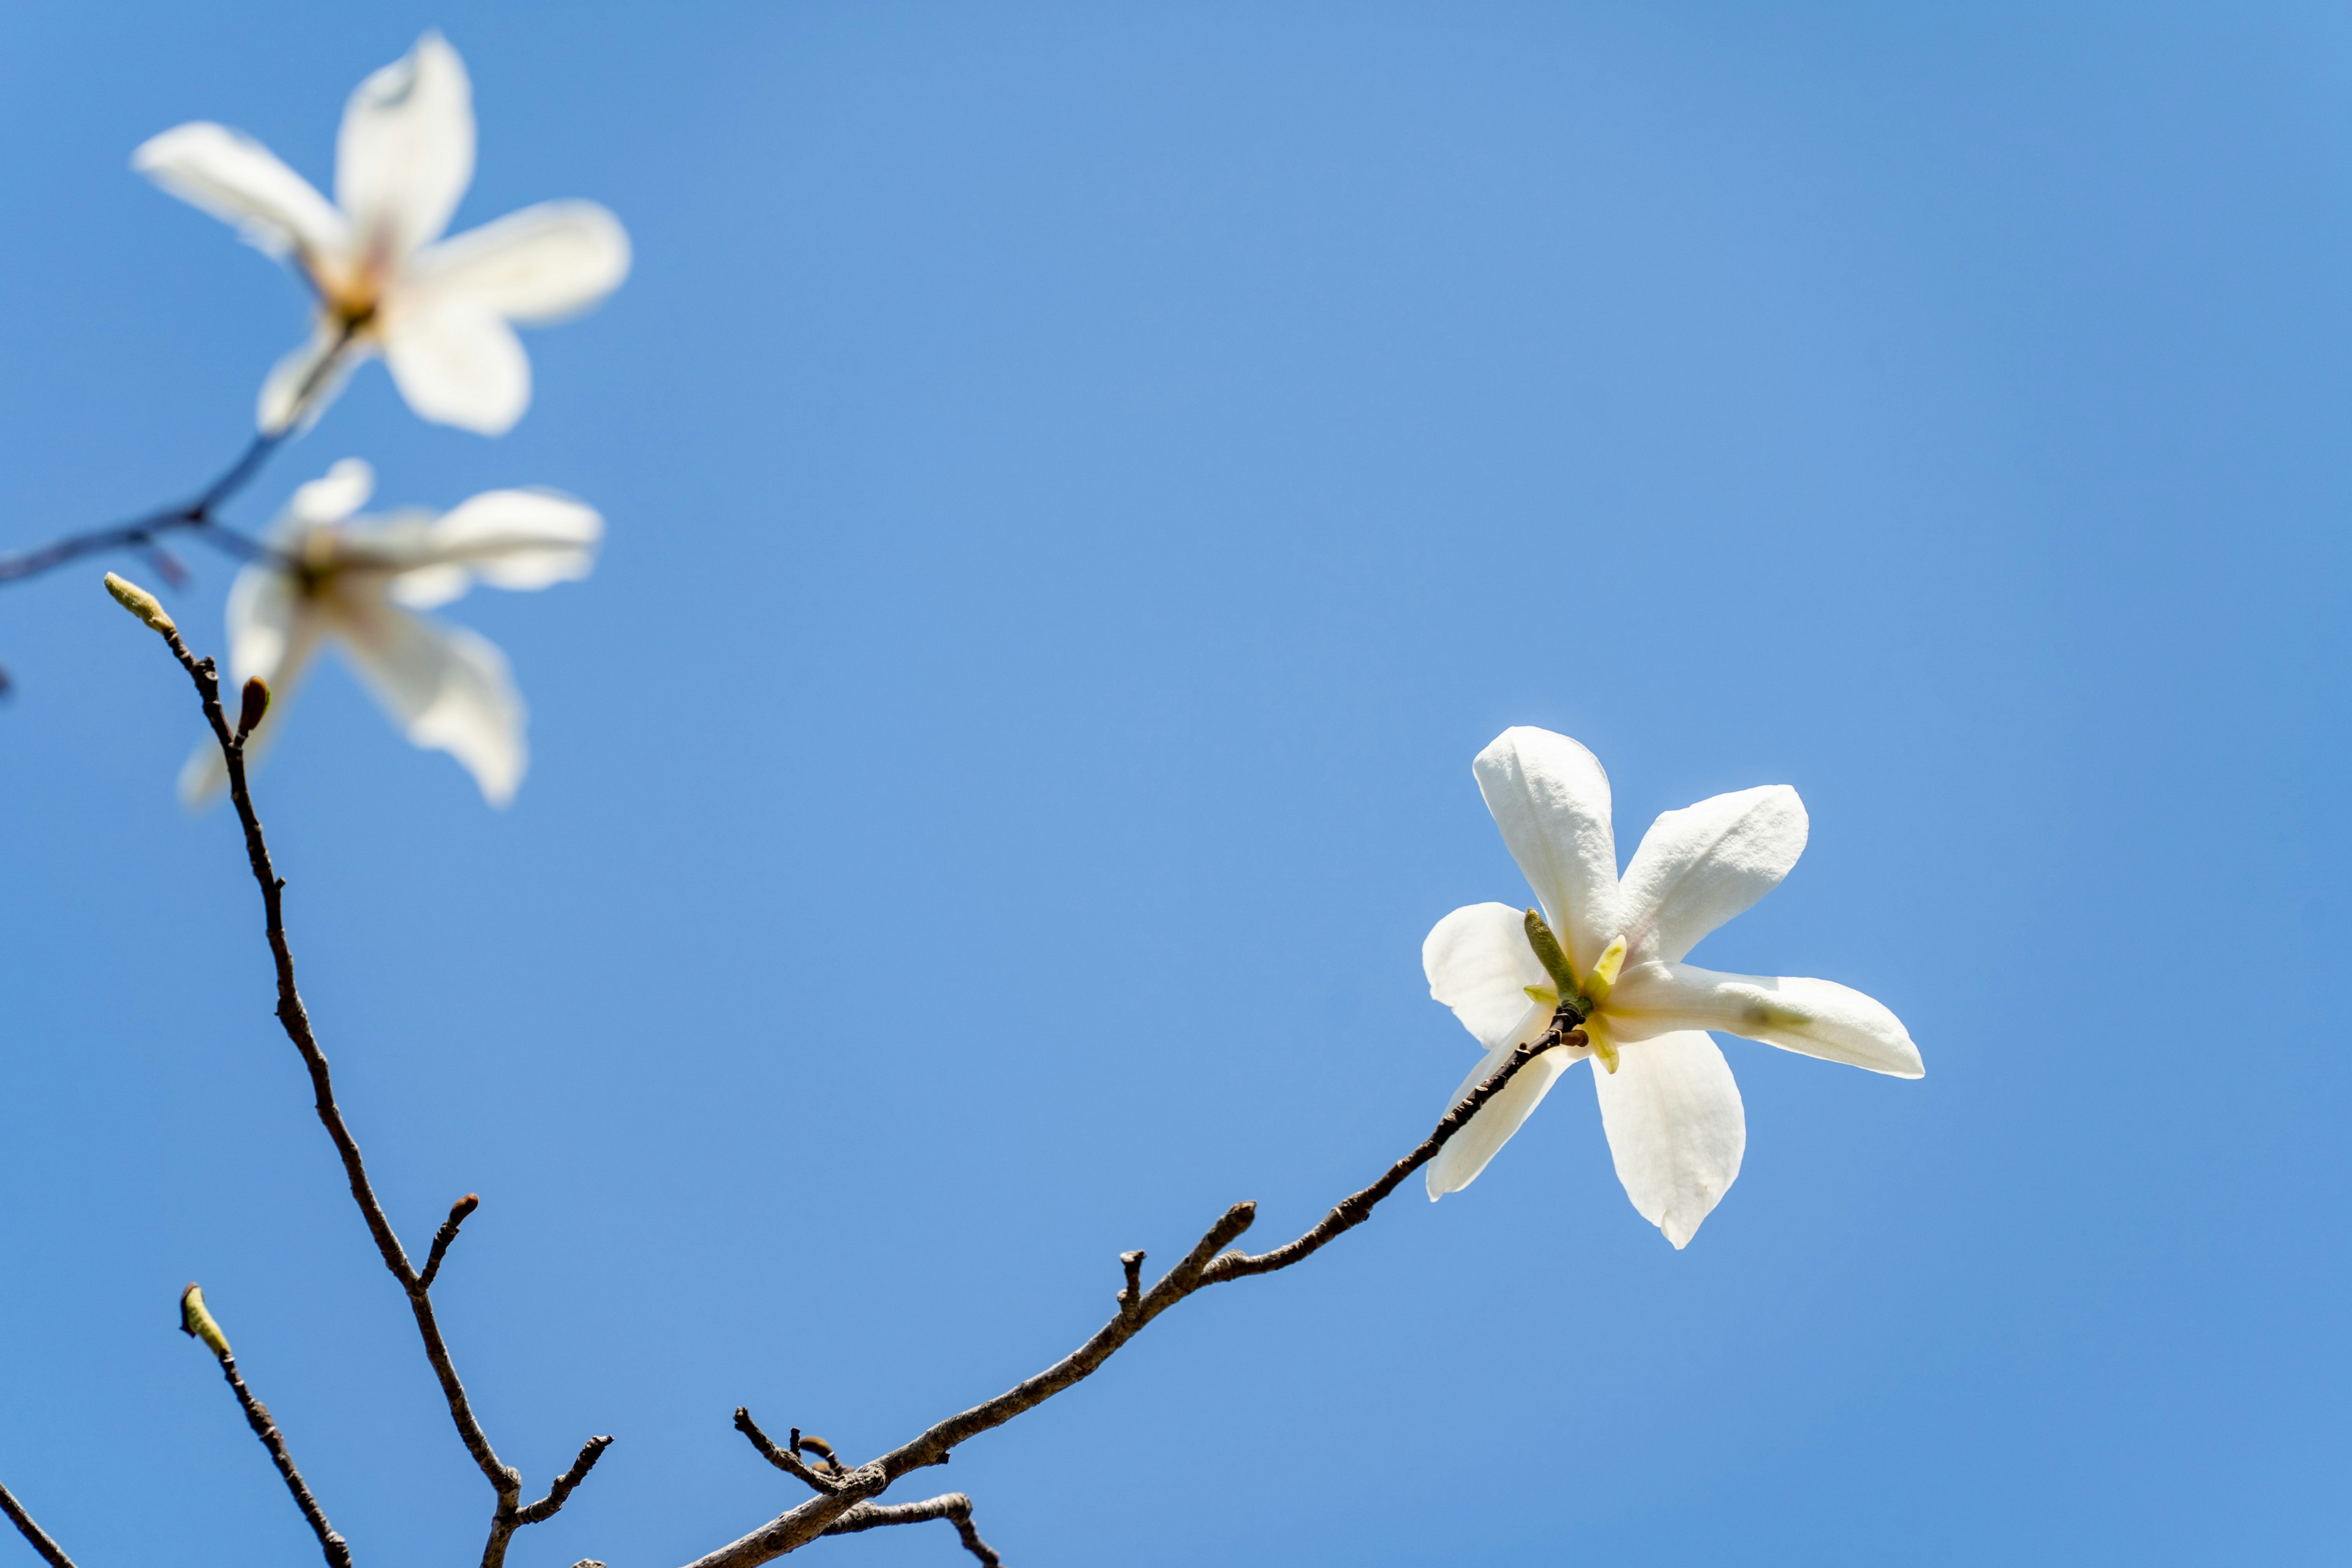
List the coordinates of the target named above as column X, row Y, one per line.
column 140, row 602
column 1548, row 949
column 198, row 1324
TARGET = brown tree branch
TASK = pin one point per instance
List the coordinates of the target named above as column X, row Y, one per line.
column 196, row 514
column 544, row 1508
column 1207, row 1264
column 506, row 1482
column 789, row 1463
column 842, row 1505
column 952, row 1506
column 198, row 1323
column 51, row 1552
column 447, row 1233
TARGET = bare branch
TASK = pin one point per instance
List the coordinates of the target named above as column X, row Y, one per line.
column 506, row 1482
column 51, row 1552
column 1357, row 1207
column 1206, row 1264
column 194, row 515
column 952, row 1506
column 1130, row 1299
column 198, row 1324
column 447, row 1233
column 546, row 1507
column 788, row 1463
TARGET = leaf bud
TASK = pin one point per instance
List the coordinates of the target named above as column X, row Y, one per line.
column 199, row 1324
column 1547, row 951
column 140, row 602
column 254, row 704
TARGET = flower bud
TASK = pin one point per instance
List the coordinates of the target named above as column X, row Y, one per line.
column 1547, row 950
column 256, row 703
column 140, row 602
column 198, row 1324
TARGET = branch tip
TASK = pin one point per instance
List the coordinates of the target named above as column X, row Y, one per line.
column 445, row 1236
column 140, row 602
column 198, row 1323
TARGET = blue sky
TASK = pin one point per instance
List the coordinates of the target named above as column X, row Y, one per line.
column 1081, row 484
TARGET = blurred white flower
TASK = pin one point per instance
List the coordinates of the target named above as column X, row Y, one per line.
column 1675, row 1127
column 439, row 310
column 356, row 581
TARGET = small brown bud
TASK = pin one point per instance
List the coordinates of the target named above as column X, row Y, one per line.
column 254, row 704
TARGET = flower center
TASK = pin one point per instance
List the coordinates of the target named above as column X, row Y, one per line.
column 350, row 289
column 1577, row 1001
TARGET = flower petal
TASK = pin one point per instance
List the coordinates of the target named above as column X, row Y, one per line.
column 344, row 488
column 1813, row 1017
column 232, row 176
column 449, row 689
column 1466, row 1152
column 300, row 385
column 1676, row 1128
column 1479, row 963
column 406, row 152
column 457, row 363
column 541, row 263
column 508, row 538
column 1551, row 798
column 1698, row 867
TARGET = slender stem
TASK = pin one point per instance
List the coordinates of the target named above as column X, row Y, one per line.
column 195, row 515
column 258, row 1416
column 444, row 1237
column 510, row 1512
column 1207, row 1264
column 51, row 1552
column 952, row 1506
column 787, row 1462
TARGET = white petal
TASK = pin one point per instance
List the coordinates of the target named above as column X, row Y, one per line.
column 232, row 176
column 300, row 385
column 1479, row 963
column 1676, row 1128
column 342, row 492
column 406, row 152
column 1466, row 1152
column 509, row 539
column 1698, row 867
column 1814, row 1017
column 449, row 689
column 262, row 613
column 459, row 364
column 541, row 263
column 1551, row 798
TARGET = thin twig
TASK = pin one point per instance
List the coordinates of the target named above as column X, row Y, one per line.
column 51, row 1552
column 505, row 1481
column 443, row 1237
column 265, row 1427
column 788, row 1463
column 196, row 514
column 1206, row 1264
column 952, row 1506
column 544, row 1508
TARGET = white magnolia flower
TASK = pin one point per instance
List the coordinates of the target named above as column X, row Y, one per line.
column 1672, row 1112
column 439, row 310
column 335, row 578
